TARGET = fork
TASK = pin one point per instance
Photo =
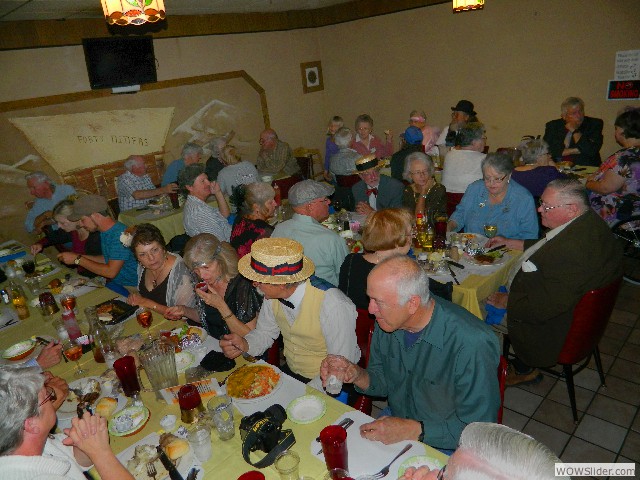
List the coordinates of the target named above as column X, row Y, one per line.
column 245, row 355
column 151, row 470
column 385, row 471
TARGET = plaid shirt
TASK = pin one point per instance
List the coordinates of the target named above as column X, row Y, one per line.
column 129, row 183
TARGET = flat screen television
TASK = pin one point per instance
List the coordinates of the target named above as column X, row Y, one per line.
column 119, row 61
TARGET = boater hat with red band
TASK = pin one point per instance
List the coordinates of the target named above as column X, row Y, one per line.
column 277, row 261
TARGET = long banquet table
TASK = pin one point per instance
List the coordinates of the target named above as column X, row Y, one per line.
column 227, row 461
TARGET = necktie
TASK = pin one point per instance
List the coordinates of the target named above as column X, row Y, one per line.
column 373, row 190
column 286, row 303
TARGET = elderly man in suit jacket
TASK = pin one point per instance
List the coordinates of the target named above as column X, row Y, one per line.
column 578, row 254
column 375, row 191
column 574, row 137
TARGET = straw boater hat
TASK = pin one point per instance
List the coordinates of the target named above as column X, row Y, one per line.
column 367, row 162
column 277, row 261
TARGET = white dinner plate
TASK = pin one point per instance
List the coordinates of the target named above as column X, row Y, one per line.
column 419, row 461
column 472, row 261
column 68, row 409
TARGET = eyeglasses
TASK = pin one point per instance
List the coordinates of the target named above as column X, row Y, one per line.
column 422, row 173
column 51, row 395
column 494, row 180
column 546, row 207
column 441, row 473
column 320, row 200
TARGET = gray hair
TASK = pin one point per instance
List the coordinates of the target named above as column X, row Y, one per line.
column 257, row 193
column 41, row 177
column 229, row 156
column 410, row 279
column 497, row 451
column 500, row 162
column 190, row 148
column 19, row 388
column 471, row 132
column 343, row 137
column 571, row 102
column 570, row 190
column 417, row 157
column 206, row 248
column 131, row 161
column 216, row 145
column 188, row 175
column 532, row 150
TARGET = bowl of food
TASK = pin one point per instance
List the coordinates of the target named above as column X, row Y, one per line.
column 253, row 381
column 19, row 350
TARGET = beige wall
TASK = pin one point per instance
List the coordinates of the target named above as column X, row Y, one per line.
column 516, row 60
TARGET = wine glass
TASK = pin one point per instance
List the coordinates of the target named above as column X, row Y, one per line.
column 490, row 230
column 73, row 352
column 28, row 266
column 145, row 319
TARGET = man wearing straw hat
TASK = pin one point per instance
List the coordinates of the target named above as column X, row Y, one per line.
column 325, row 247
column 375, row 191
column 315, row 319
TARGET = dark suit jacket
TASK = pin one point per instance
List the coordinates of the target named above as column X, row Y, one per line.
column 389, row 193
column 589, row 144
column 583, row 257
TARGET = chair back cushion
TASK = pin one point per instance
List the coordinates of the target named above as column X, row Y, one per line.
column 286, row 183
column 453, row 199
column 590, row 318
column 364, row 327
column 503, row 366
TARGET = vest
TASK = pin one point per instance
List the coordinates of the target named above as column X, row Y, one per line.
column 304, row 343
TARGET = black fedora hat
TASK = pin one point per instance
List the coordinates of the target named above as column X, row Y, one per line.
column 464, row 106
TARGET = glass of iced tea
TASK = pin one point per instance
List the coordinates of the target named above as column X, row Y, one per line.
column 73, row 352
column 145, row 319
column 490, row 230
column 68, row 302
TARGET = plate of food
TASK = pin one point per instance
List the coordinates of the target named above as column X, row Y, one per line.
column 486, row 259
column 306, row 409
column 419, row 461
column 137, row 456
column 254, row 382
column 186, row 337
column 114, row 311
column 94, row 392
column 19, row 350
column 129, row 421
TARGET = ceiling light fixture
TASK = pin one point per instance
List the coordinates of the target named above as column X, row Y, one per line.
column 466, row 5
column 133, row 12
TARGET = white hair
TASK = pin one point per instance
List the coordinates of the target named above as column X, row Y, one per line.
column 409, row 278
column 132, row 161
column 417, row 157
column 501, row 453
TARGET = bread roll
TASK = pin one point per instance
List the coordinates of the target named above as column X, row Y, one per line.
column 106, row 406
column 173, row 446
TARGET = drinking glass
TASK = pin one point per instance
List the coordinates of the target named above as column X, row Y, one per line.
column 145, row 319
column 337, row 474
column 127, row 372
column 190, row 403
column 334, row 446
column 221, row 411
column 73, row 352
column 68, row 302
column 200, row 440
column 490, row 230
column 287, row 465
column 28, row 266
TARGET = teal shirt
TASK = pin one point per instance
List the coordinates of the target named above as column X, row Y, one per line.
column 446, row 379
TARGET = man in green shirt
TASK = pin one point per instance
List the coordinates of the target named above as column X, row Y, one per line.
column 434, row 361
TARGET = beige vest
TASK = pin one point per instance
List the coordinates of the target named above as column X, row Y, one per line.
column 304, row 343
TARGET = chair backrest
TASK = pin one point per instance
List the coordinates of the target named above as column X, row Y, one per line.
column 590, row 318
column 502, row 377
column 306, row 158
column 365, row 323
column 347, row 181
column 453, row 199
column 286, row 183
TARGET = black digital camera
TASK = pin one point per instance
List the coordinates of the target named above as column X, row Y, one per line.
column 265, row 426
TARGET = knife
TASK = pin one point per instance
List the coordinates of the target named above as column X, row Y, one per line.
column 168, row 464
column 456, row 264
column 346, row 423
column 453, row 274
column 496, row 248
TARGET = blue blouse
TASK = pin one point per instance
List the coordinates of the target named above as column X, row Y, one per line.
column 515, row 216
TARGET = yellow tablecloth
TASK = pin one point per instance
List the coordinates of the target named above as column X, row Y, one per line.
column 227, row 462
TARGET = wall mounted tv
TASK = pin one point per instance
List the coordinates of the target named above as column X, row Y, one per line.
column 119, row 61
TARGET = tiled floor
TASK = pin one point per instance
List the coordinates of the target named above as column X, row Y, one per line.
column 609, row 417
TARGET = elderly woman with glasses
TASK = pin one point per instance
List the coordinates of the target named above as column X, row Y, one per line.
column 539, row 168
column 229, row 303
column 496, row 200
column 164, row 281
column 27, row 451
column 386, row 232
column 424, row 193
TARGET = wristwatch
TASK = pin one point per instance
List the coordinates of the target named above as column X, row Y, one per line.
column 77, row 260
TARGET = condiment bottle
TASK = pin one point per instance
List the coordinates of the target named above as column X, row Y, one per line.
column 19, row 300
column 97, row 333
column 420, row 230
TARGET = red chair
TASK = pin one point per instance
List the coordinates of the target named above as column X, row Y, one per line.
column 286, row 183
column 273, row 354
column 590, row 318
column 453, row 199
column 365, row 324
column 502, row 376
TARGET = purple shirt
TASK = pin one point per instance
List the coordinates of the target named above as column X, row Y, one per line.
column 536, row 180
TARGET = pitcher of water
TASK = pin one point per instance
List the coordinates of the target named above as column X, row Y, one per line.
column 159, row 361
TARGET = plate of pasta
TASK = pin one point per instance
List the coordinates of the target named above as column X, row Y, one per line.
column 251, row 382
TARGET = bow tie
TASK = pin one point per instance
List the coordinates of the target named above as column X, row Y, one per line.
column 286, row 303
column 373, row 190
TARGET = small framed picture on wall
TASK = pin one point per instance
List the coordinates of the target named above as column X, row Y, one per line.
column 311, row 77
